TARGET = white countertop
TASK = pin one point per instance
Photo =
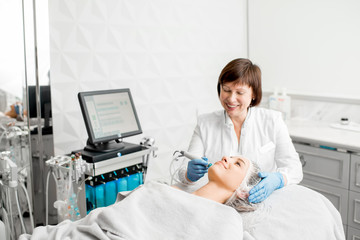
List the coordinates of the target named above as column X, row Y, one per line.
column 321, row 133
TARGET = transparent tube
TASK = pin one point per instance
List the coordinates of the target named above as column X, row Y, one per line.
column 19, row 210
column 55, row 179
column 12, row 232
column 7, row 223
column 30, row 208
column 80, row 187
column 173, row 172
column 47, row 199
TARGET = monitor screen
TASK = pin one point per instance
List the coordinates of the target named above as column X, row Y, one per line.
column 109, row 115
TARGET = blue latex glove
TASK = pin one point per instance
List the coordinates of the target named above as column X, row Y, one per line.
column 269, row 183
column 196, row 169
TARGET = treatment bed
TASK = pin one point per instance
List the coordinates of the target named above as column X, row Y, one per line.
column 158, row 211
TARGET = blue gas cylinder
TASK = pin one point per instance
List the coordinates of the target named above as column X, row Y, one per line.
column 141, row 177
column 110, row 193
column 122, row 184
column 100, row 195
column 133, row 181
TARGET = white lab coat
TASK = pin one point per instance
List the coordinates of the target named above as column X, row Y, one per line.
column 264, row 140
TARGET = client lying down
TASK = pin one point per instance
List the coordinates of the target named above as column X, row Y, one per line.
column 158, row 211
column 230, row 181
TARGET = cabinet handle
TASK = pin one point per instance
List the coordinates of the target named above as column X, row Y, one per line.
column 302, row 160
column 357, row 175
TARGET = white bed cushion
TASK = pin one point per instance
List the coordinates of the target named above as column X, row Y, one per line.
column 294, row 212
column 157, row 211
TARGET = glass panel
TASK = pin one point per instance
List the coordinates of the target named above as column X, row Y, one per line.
column 14, row 134
column 12, row 71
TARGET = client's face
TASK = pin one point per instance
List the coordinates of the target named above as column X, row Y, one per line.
column 229, row 172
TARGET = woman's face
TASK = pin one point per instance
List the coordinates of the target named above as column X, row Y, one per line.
column 235, row 98
column 229, row 172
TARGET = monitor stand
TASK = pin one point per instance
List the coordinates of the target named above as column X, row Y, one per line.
column 104, row 147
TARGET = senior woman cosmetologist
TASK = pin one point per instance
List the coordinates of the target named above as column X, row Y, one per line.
column 244, row 129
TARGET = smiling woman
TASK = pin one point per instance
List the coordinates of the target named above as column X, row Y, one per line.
column 243, row 128
column 230, row 171
column 230, row 181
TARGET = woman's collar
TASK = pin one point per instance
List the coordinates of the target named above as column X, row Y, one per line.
column 229, row 123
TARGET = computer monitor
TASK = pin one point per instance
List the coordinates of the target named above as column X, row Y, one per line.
column 109, row 116
column 45, row 103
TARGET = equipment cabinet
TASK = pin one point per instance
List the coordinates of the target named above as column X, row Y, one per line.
column 324, row 166
column 353, row 234
column 355, row 173
column 336, row 175
column 354, row 199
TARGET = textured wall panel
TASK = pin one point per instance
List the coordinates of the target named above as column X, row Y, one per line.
column 168, row 52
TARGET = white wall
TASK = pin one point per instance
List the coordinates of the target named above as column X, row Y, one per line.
column 168, row 52
column 310, row 47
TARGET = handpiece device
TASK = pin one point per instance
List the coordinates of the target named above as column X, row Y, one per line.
column 191, row 156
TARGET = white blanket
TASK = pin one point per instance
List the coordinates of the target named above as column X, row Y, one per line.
column 294, row 212
column 155, row 211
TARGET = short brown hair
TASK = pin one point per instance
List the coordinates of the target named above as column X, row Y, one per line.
column 243, row 71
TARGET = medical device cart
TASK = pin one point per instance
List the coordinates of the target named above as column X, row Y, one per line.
column 102, row 176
